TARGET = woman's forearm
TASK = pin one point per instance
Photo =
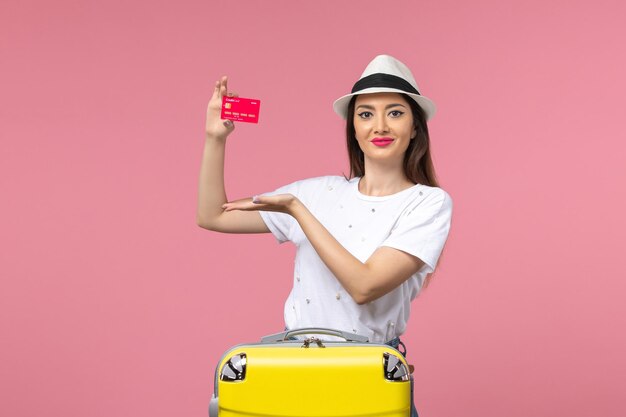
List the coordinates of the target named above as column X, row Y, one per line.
column 211, row 191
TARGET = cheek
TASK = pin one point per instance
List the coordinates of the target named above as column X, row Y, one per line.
column 359, row 131
column 410, row 130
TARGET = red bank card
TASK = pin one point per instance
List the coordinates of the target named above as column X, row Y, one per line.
column 241, row 109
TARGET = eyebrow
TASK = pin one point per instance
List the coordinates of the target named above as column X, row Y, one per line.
column 367, row 106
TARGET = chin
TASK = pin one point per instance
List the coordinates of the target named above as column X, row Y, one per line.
column 385, row 157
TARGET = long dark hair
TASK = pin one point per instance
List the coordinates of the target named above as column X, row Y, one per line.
column 418, row 165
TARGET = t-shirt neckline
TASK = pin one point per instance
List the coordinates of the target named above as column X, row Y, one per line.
column 362, row 196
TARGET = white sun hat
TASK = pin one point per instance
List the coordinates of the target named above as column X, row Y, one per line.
column 386, row 74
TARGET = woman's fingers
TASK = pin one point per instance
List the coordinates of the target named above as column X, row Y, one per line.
column 240, row 205
column 216, row 90
column 246, row 204
column 224, row 86
column 215, row 125
column 278, row 202
column 221, row 88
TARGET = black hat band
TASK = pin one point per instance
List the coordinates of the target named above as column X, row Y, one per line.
column 384, row 80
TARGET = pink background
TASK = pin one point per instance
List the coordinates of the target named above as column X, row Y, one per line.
column 114, row 303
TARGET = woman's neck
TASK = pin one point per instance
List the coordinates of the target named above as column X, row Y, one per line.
column 381, row 180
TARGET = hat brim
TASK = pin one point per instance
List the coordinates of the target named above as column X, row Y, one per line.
column 341, row 104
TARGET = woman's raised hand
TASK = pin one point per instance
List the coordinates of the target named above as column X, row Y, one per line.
column 216, row 127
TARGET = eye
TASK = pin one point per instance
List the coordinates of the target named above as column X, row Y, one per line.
column 396, row 113
column 365, row 115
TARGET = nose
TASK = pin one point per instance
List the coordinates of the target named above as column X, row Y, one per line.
column 381, row 124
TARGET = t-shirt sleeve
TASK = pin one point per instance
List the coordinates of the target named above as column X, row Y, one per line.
column 280, row 224
column 422, row 229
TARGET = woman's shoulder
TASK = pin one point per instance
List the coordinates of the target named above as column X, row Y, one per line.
column 430, row 195
column 433, row 191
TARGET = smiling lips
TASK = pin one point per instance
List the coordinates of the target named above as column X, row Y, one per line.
column 382, row 141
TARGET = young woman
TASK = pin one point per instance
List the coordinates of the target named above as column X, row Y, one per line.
column 365, row 245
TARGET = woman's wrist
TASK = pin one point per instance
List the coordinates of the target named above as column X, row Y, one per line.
column 212, row 137
column 295, row 208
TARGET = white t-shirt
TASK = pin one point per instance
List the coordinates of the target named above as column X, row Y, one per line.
column 415, row 220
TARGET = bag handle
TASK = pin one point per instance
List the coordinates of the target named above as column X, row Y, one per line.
column 283, row 336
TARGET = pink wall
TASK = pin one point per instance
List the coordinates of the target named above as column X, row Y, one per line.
column 114, row 303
